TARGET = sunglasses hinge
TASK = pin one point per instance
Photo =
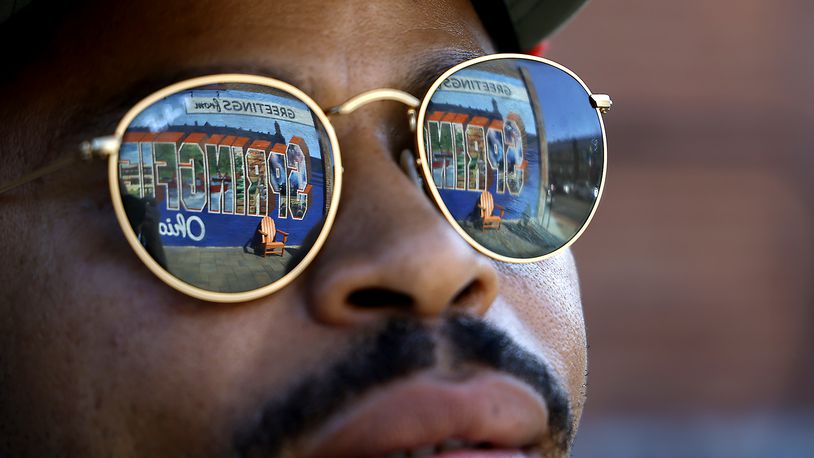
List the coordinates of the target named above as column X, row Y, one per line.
column 99, row 148
column 601, row 101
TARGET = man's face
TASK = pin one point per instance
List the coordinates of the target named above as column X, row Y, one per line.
column 399, row 336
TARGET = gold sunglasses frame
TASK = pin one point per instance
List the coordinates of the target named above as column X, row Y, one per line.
column 163, row 274
column 108, row 147
column 601, row 104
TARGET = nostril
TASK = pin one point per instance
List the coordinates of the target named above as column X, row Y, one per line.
column 372, row 298
column 470, row 295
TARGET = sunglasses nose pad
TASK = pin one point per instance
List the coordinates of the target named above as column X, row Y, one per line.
column 412, row 118
column 409, row 164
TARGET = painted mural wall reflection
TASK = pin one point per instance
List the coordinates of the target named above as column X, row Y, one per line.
column 226, row 186
column 516, row 154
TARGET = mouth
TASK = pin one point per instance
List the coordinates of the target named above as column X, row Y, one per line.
column 486, row 415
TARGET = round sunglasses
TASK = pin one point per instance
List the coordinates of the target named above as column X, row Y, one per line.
column 226, row 186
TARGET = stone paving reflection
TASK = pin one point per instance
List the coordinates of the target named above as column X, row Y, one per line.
column 226, row 269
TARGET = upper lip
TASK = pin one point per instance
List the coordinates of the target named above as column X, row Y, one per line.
column 426, row 409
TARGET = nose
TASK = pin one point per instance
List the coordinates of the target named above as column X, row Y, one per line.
column 390, row 250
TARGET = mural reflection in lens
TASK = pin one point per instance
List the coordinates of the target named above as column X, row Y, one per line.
column 226, row 186
column 516, row 154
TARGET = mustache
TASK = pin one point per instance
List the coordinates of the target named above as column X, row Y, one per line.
column 403, row 346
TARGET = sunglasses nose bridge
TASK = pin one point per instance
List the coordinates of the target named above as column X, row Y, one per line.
column 408, row 162
column 377, row 95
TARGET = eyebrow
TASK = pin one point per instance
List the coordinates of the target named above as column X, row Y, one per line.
column 429, row 65
column 433, row 64
column 108, row 112
column 142, row 88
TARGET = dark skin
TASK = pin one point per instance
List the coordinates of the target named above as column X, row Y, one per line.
column 100, row 358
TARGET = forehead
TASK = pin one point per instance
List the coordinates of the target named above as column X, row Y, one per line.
column 329, row 49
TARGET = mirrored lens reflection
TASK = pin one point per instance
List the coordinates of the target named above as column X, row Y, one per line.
column 516, row 154
column 226, row 186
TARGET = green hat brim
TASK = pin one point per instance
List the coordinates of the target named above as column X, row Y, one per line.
column 520, row 25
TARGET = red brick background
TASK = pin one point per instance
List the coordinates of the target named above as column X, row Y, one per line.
column 698, row 269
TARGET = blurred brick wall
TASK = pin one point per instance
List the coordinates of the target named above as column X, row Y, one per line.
column 698, row 270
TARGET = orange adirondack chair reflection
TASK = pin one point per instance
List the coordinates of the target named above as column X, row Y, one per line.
column 268, row 232
column 487, row 207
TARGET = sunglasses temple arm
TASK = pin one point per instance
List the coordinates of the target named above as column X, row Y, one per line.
column 101, row 147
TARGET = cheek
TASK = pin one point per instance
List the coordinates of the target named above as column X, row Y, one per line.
column 540, row 306
column 135, row 362
column 208, row 368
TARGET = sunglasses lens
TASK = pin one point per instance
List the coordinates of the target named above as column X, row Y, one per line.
column 227, row 187
column 516, row 155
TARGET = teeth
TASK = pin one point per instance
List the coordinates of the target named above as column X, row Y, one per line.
column 445, row 446
column 422, row 451
column 453, row 444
